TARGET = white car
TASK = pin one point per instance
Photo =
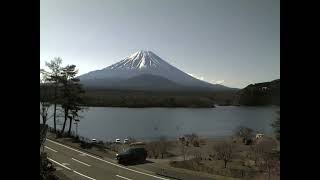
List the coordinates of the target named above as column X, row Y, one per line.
column 125, row 141
column 118, row 141
column 93, row 140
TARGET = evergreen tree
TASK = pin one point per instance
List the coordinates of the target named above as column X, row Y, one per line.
column 71, row 95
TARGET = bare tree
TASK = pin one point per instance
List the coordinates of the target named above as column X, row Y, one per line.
column 45, row 94
column 259, row 150
column 197, row 155
column 44, row 108
column 269, row 164
column 153, row 149
column 183, row 149
column 163, row 146
column 224, row 151
column 53, row 77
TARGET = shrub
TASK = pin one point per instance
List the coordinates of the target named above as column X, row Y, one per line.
column 224, row 151
column 46, row 168
column 196, row 143
column 245, row 133
column 86, row 145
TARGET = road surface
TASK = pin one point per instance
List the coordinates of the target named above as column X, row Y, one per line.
column 83, row 166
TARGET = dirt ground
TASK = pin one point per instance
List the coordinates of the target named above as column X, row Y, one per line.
column 199, row 159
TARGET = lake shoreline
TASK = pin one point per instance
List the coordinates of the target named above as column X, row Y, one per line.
column 109, row 123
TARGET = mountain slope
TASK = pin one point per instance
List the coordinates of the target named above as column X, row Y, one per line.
column 139, row 63
column 266, row 93
column 146, row 82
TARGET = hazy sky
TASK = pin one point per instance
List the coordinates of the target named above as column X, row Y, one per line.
column 233, row 42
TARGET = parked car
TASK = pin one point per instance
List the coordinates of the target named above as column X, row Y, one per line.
column 132, row 155
column 93, row 141
column 125, row 141
column 118, row 141
column 137, row 144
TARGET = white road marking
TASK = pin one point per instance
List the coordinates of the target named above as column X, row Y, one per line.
column 123, row 177
column 50, row 149
column 84, row 175
column 158, row 177
column 71, row 169
column 59, row 164
column 80, row 162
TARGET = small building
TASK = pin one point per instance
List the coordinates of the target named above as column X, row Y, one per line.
column 259, row 136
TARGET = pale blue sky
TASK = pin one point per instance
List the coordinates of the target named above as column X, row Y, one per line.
column 236, row 42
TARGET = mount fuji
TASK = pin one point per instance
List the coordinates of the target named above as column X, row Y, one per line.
column 144, row 70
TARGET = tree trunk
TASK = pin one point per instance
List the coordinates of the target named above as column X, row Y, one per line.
column 69, row 131
column 225, row 164
column 43, row 120
column 54, row 117
column 55, row 109
column 65, row 120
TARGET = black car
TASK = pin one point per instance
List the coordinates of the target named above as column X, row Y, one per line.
column 132, row 155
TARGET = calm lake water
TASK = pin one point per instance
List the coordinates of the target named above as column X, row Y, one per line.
column 104, row 123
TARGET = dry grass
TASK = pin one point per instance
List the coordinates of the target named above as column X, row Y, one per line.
column 202, row 159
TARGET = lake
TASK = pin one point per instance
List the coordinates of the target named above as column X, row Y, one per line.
column 107, row 124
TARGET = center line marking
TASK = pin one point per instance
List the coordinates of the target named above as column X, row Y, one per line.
column 117, row 165
column 80, row 162
column 123, row 177
column 71, row 169
column 50, row 149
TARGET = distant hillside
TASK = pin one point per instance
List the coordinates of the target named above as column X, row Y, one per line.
column 266, row 93
column 144, row 92
column 132, row 98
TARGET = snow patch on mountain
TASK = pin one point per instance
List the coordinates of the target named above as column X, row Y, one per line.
column 146, row 62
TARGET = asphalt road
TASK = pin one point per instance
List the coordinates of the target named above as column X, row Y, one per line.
column 83, row 166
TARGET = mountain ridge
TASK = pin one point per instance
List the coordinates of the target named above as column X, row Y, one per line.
column 143, row 62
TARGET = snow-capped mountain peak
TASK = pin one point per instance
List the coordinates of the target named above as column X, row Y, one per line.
column 139, row 60
column 142, row 63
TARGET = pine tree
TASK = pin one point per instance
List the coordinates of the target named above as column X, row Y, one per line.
column 71, row 95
